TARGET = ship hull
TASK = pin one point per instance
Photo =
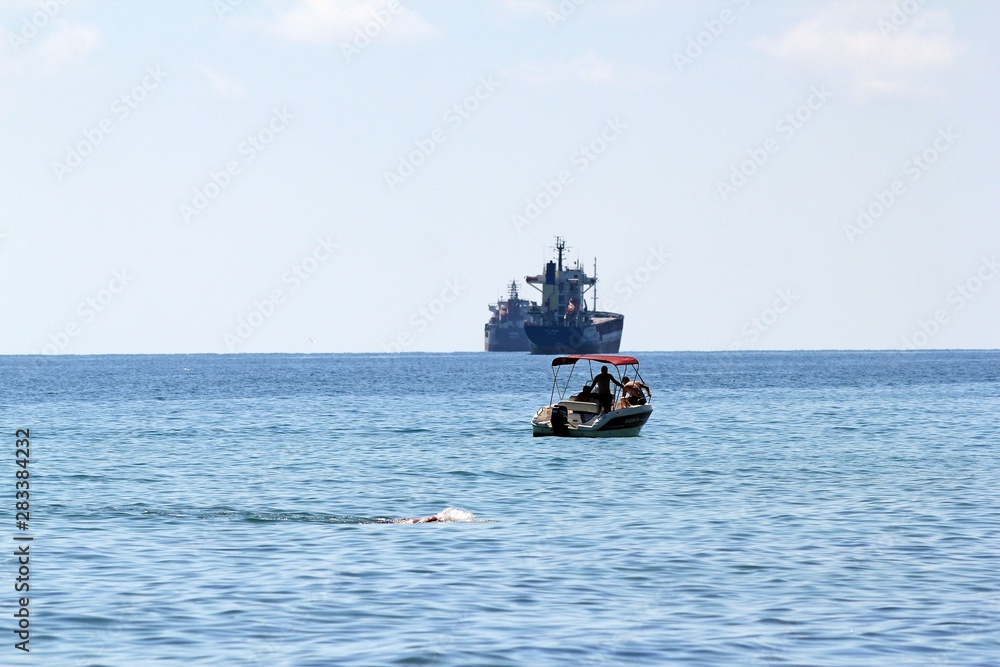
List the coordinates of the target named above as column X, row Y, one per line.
column 506, row 339
column 602, row 336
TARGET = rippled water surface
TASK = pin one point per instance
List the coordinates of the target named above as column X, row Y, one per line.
column 778, row 509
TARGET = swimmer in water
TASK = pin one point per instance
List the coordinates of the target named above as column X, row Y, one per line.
column 446, row 515
column 426, row 519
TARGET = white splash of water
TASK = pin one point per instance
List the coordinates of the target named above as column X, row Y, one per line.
column 455, row 514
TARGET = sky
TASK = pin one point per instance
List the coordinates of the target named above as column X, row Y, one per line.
column 215, row 176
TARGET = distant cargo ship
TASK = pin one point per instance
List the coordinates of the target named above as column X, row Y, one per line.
column 505, row 330
column 561, row 323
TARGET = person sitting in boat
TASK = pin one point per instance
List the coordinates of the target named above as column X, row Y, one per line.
column 632, row 393
column 603, row 382
column 584, row 395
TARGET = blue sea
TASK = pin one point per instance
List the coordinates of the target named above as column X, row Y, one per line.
column 780, row 508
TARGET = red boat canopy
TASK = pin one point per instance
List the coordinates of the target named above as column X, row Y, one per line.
column 615, row 359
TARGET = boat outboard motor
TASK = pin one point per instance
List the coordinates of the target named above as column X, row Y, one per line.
column 559, row 420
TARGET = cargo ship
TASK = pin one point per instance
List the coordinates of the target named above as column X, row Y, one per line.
column 505, row 330
column 561, row 323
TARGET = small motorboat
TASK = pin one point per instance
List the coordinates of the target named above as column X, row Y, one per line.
column 581, row 416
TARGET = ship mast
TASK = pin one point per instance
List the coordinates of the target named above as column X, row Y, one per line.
column 560, row 246
column 595, row 285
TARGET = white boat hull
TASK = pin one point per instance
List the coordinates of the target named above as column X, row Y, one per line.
column 581, row 423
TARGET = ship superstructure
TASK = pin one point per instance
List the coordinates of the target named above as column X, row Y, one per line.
column 561, row 323
column 505, row 330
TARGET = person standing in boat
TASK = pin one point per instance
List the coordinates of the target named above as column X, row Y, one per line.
column 603, row 382
column 632, row 393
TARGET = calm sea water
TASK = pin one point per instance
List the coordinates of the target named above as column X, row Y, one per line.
column 778, row 509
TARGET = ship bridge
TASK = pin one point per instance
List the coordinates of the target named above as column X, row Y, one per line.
column 563, row 290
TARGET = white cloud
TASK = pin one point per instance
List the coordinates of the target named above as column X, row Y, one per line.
column 38, row 52
column 590, row 68
column 858, row 43
column 564, row 7
column 52, row 49
column 223, row 86
column 528, row 7
column 326, row 21
column 67, row 44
